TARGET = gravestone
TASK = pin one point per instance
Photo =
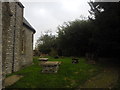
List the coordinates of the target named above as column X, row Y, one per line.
column 50, row 66
column 43, row 59
column 75, row 61
column 56, row 57
column 12, row 79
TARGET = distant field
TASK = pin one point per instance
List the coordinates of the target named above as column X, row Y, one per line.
column 69, row 75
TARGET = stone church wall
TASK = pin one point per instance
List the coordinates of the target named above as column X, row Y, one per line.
column 8, row 25
column 27, row 57
column 18, row 28
column 0, row 45
column 13, row 59
column 11, row 27
column 12, row 24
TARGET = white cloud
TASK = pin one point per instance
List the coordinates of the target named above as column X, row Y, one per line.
column 48, row 15
column 72, row 5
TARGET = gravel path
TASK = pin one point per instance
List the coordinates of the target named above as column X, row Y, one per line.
column 106, row 79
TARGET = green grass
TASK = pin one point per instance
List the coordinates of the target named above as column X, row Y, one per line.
column 69, row 75
column 118, row 82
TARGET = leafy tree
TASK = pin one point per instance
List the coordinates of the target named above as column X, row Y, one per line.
column 73, row 37
column 106, row 17
column 46, row 43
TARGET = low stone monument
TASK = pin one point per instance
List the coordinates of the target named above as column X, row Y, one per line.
column 75, row 60
column 50, row 66
column 43, row 59
column 12, row 79
column 56, row 57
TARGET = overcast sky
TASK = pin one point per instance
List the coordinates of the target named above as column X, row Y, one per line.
column 48, row 14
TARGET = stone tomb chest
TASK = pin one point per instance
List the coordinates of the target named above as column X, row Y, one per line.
column 50, row 66
column 43, row 59
column 75, row 60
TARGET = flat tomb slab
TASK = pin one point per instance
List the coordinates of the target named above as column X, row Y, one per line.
column 12, row 79
column 51, row 63
column 43, row 59
column 50, row 66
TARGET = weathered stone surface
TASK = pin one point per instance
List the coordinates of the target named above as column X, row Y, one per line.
column 27, row 57
column 50, row 66
column 0, row 45
column 52, row 63
column 12, row 79
column 12, row 34
column 8, row 30
column 11, row 38
column 43, row 59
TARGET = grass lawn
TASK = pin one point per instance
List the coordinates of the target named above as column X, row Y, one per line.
column 69, row 75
